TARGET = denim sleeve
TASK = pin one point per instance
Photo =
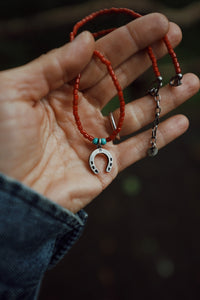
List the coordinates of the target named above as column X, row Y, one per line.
column 35, row 234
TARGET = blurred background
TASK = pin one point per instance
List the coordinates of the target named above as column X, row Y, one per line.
column 142, row 237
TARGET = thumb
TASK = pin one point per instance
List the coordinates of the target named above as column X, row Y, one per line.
column 50, row 71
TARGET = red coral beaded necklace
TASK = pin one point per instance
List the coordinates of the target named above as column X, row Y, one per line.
column 153, row 91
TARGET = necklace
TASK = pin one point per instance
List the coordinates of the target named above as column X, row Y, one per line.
column 153, row 91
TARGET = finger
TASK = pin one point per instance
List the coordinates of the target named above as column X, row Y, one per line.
column 141, row 112
column 52, row 70
column 136, row 148
column 124, row 42
column 129, row 70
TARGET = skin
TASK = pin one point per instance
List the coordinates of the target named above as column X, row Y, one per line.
column 40, row 143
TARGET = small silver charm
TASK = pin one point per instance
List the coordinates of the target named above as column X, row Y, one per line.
column 92, row 158
column 153, row 151
column 113, row 124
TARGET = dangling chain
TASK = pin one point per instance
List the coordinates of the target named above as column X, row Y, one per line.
column 153, row 91
column 153, row 150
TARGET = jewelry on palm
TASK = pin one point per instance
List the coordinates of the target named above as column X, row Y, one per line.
column 153, row 91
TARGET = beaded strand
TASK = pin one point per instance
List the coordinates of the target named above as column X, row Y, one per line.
column 120, row 95
column 134, row 15
column 174, row 81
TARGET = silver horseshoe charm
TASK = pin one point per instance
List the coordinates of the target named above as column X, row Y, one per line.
column 94, row 154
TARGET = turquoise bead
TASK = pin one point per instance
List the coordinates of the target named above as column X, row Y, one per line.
column 95, row 141
column 103, row 141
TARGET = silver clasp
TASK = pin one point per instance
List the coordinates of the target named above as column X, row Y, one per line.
column 176, row 80
column 156, row 85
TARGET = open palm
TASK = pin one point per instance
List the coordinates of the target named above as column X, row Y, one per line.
column 40, row 143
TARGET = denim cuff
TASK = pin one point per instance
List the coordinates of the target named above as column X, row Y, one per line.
column 35, row 233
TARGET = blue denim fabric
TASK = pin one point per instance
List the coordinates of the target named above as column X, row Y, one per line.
column 35, row 234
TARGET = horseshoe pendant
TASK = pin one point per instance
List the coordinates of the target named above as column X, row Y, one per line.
column 94, row 154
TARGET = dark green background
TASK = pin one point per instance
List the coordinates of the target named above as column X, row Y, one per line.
column 142, row 237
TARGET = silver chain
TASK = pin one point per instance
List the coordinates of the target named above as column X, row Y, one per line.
column 153, row 150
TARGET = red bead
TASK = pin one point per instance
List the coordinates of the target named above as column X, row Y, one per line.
column 76, row 97
column 84, row 132
column 87, row 136
column 78, row 122
column 120, row 94
column 111, row 137
column 118, row 129
column 173, row 54
column 71, row 36
column 120, row 124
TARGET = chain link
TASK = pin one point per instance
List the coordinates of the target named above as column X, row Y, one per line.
column 153, row 150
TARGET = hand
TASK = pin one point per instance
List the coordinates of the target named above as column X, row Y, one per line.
column 40, row 143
